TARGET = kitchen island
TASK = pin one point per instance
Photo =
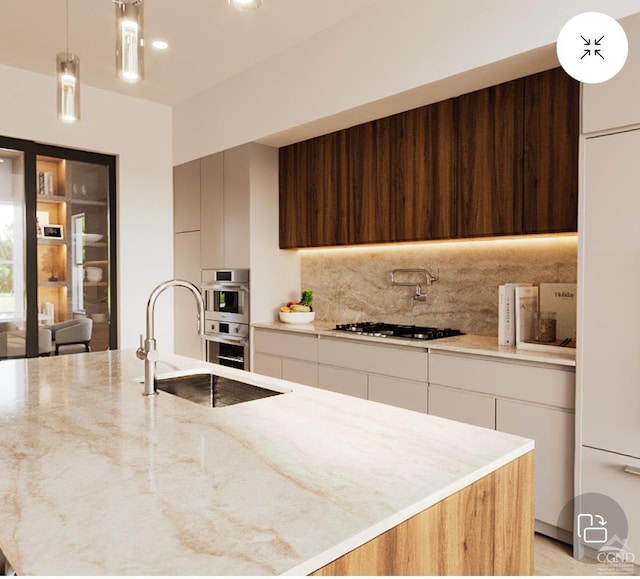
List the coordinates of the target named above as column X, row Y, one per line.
column 98, row 479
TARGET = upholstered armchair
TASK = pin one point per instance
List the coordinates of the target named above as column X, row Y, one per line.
column 13, row 341
column 76, row 332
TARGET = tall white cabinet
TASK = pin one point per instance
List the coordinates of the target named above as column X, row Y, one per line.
column 226, row 216
column 608, row 357
column 609, row 343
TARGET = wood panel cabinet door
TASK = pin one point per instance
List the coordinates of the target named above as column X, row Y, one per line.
column 551, row 131
column 371, row 192
column 423, row 172
column 313, row 197
column 489, row 161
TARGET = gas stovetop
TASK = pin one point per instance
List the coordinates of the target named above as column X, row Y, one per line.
column 382, row 330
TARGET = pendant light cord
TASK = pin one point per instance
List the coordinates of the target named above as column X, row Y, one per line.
column 67, row 5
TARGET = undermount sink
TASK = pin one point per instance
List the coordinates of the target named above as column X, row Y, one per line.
column 211, row 390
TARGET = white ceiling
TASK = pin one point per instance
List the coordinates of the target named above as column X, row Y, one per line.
column 209, row 41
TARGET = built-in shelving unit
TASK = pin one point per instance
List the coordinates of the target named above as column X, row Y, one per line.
column 72, row 209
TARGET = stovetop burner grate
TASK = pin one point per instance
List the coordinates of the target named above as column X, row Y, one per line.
column 381, row 329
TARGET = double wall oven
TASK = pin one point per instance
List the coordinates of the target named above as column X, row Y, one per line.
column 226, row 298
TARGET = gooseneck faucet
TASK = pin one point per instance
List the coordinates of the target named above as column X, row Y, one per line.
column 147, row 350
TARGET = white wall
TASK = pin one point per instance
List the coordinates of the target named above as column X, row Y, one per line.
column 139, row 133
column 399, row 46
column 275, row 273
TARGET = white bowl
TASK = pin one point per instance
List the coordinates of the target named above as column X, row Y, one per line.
column 92, row 237
column 94, row 274
column 297, row 317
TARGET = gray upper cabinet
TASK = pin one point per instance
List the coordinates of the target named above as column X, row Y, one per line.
column 186, row 197
column 614, row 104
column 212, row 214
column 237, row 189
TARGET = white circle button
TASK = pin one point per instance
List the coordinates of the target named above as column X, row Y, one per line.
column 592, row 47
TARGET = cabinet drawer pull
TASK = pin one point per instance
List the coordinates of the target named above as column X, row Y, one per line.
column 632, row 470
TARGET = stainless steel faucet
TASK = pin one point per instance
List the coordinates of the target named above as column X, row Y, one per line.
column 147, row 350
column 429, row 279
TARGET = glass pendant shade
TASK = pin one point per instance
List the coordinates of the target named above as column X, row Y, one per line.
column 245, row 5
column 68, row 81
column 129, row 40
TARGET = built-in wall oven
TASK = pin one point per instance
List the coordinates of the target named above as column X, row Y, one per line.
column 226, row 298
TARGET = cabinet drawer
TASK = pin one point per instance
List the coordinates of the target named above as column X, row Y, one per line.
column 402, row 393
column 523, row 381
column 287, row 345
column 300, row 372
column 389, row 360
column 462, row 406
column 343, row 381
column 267, row 365
column 603, row 472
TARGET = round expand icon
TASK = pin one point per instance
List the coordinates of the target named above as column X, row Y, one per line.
column 592, row 47
column 600, row 529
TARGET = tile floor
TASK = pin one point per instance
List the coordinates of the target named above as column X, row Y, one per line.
column 555, row 558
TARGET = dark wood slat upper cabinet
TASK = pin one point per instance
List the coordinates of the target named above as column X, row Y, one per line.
column 294, row 201
column 370, row 188
column 423, row 172
column 498, row 161
column 551, row 136
column 313, row 201
column 490, row 161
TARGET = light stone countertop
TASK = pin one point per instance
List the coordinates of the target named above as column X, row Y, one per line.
column 97, row 479
column 466, row 344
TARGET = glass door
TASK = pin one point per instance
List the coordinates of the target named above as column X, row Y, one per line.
column 57, row 250
column 73, row 213
column 13, row 315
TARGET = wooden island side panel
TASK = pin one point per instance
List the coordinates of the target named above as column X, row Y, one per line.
column 487, row 528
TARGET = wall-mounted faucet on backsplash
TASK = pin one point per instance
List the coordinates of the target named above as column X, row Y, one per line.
column 428, row 279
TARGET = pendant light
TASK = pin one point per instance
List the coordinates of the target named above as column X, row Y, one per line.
column 245, row 5
column 68, row 82
column 129, row 40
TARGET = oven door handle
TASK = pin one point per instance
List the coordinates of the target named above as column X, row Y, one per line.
column 222, row 287
column 226, row 339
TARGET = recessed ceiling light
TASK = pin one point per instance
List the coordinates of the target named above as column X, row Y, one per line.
column 160, row 45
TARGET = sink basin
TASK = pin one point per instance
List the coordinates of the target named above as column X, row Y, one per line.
column 210, row 390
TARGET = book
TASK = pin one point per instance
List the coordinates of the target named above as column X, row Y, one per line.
column 507, row 313
column 560, row 298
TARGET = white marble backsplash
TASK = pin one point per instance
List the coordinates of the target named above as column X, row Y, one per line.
column 354, row 284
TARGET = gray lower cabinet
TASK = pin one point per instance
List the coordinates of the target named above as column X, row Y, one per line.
column 529, row 399
column 300, row 371
column 553, row 431
column 267, row 365
column 290, row 356
column 393, row 375
column 618, row 477
column 462, row 406
column 524, row 398
column 398, row 392
column 351, row 382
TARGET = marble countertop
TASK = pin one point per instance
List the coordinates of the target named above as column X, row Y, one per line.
column 466, row 344
column 98, row 479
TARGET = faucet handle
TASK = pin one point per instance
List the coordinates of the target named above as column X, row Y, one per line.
column 140, row 353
